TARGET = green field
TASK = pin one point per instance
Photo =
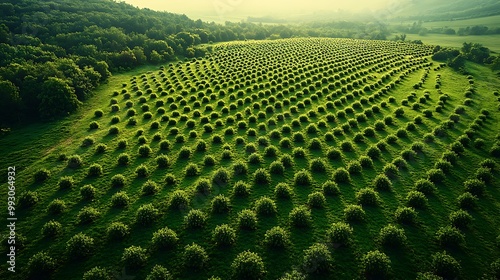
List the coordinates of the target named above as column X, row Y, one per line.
column 304, row 134
column 490, row 41
column 490, row 22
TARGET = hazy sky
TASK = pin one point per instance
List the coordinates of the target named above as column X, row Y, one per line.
column 227, row 9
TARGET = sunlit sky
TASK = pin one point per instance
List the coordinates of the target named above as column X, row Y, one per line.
column 227, row 9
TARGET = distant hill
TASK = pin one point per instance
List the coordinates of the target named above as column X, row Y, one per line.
column 432, row 10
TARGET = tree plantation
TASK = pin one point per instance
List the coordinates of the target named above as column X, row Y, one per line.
column 299, row 158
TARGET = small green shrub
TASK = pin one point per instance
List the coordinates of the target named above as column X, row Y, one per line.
column 316, row 200
column 195, row 219
column 51, row 229
column 134, row 257
column 159, row 273
column 95, row 170
column 74, row 162
column 150, row 188
column 405, row 215
column 248, row 266
column 283, row 191
column 302, row 178
column 341, row 175
column 117, row 231
column 41, row 175
column 354, row 213
column 276, row 238
column 164, row 239
column 339, row 234
column 41, row 263
column 241, row 189
column 382, row 183
column 120, row 200
column 416, row 200
column 449, row 237
column 247, row 219
column 367, row 197
column 445, row 266
column 300, row 217
column 118, row 181
column 56, row 206
column 317, row 259
column 220, row 204
column 392, row 236
column 97, row 273
column 88, row 215
column 425, row 186
column 460, row 219
column 265, row 206
column 146, row 214
column 80, row 246
column 376, row 265
column 142, row 171
column 179, row 200
column 87, row 192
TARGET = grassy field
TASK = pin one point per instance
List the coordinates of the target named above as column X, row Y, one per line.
column 490, row 22
column 490, row 41
column 292, row 132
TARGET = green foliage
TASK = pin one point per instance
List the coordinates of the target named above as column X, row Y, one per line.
column 376, row 265
column 317, row 259
column 300, row 217
column 276, row 238
column 150, row 188
column 445, row 266
column 195, row 219
column 159, row 273
column 56, row 206
column 117, row 231
column 28, row 199
column 449, row 237
column 41, row 175
column 341, row 175
column 41, row 263
column 265, row 206
column 194, row 257
column 164, row 239
column 302, row 178
column 405, row 215
column 382, row 183
column 224, row 235
column 80, row 246
column 247, row 219
column 179, row 200
column 354, row 213
column 220, row 204
column 146, row 214
column 88, row 215
column 51, row 229
column 248, row 266
column 416, row 200
column 88, row 192
column 261, row 177
column 134, row 257
column 316, row 200
column 392, row 236
column 339, row 234
column 460, row 219
column 367, row 197
column 97, row 273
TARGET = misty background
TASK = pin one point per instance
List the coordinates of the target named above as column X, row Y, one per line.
column 283, row 11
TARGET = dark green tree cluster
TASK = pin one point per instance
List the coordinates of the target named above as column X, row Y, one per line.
column 470, row 51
